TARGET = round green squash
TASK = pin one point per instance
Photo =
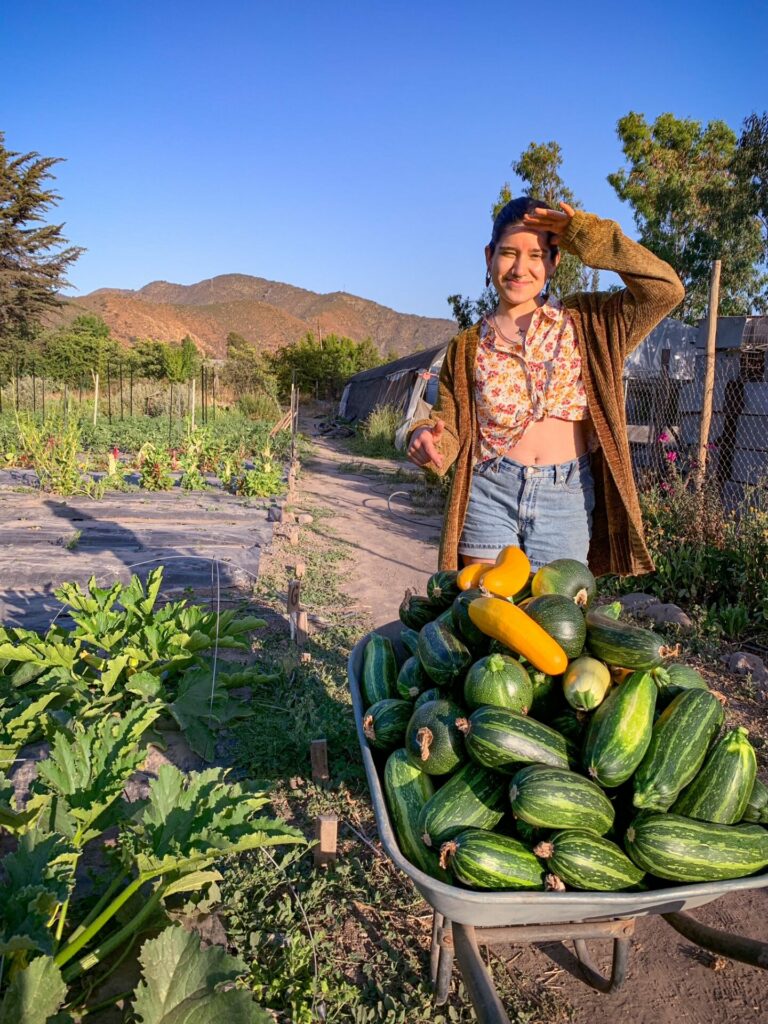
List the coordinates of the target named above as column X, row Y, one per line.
column 433, row 740
column 500, row 681
column 567, row 577
column 562, row 619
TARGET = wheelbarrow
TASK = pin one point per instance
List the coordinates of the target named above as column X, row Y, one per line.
column 464, row 919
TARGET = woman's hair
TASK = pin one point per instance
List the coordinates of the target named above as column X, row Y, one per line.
column 512, row 213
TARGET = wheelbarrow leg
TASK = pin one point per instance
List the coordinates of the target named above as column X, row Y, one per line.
column 441, row 958
column 735, row 947
column 485, row 1001
column 592, row 975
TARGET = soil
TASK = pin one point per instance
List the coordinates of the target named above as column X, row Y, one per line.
column 669, row 980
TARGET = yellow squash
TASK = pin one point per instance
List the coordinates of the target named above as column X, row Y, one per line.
column 509, row 624
column 510, row 573
column 469, row 577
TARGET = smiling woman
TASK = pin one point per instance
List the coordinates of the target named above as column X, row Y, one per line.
column 531, row 403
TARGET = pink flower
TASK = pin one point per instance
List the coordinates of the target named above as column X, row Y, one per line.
column 115, row 452
column 666, row 487
column 672, row 456
column 663, row 436
column 711, row 446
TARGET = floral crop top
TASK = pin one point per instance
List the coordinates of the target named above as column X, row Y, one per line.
column 518, row 383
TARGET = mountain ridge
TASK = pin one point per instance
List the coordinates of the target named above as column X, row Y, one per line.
column 268, row 314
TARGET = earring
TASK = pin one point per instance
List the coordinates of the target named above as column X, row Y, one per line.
column 487, row 279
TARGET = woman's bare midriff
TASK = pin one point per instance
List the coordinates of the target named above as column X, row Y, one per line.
column 550, row 441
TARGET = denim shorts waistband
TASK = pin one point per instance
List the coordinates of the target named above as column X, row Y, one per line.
column 554, row 471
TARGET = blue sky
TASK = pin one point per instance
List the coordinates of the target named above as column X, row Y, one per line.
column 343, row 146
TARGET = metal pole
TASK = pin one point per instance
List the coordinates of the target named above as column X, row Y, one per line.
column 109, row 393
column 34, row 396
column 709, row 373
column 213, row 395
column 170, row 417
column 120, row 368
column 130, row 395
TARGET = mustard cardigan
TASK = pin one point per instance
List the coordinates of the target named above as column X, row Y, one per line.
column 608, row 326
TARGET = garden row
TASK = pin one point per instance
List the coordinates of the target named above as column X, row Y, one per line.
column 97, row 696
column 537, row 742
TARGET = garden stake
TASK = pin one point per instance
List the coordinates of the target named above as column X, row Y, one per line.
column 299, row 569
column 326, row 833
column 318, row 755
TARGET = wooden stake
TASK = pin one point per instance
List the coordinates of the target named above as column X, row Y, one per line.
column 299, row 569
column 709, row 373
column 318, row 755
column 293, row 536
column 302, row 629
column 294, row 596
column 326, row 833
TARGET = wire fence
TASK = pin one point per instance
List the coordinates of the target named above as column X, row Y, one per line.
column 665, row 418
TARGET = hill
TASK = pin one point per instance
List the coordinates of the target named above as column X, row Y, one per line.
column 266, row 313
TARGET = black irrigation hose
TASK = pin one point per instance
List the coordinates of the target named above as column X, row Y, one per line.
column 397, row 515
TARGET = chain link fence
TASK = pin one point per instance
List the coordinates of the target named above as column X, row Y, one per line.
column 665, row 411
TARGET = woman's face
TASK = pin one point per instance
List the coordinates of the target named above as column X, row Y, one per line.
column 520, row 265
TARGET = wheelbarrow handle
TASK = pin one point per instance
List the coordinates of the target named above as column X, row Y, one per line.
column 735, row 947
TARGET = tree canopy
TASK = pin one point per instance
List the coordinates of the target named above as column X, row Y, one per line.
column 694, row 201
column 322, row 364
column 34, row 255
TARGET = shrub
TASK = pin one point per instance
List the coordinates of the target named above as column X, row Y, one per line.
column 375, row 436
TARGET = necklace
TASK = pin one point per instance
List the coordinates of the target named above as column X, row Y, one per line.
column 517, row 340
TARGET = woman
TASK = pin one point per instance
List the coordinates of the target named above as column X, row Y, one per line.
column 531, row 400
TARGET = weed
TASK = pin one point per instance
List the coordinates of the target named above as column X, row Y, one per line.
column 74, row 540
column 375, row 437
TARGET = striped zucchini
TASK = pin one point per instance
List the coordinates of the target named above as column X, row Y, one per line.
column 443, row 656
column 472, row 798
column 498, row 680
column 617, row 643
column 407, row 790
column 502, row 739
column 757, row 805
column 442, row 588
column 620, row 730
column 410, row 639
column 683, row 850
column 433, row 740
column 379, row 670
column 427, row 695
column 721, row 790
column 487, row 860
column 586, row 861
column 385, row 722
column 673, row 679
column 557, row 798
column 463, row 625
column 416, row 611
column 562, row 619
column 679, row 743
column 412, row 679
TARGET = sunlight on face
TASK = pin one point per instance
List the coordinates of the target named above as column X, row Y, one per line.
column 520, row 265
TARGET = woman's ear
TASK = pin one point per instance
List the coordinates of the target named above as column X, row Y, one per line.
column 488, row 257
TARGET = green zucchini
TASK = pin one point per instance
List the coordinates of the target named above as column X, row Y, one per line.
column 558, row 798
column 584, row 860
column 407, row 790
column 433, row 740
column 442, row 589
column 416, row 611
column 617, row 643
column 673, row 678
column 572, row 725
column 503, row 740
column 488, row 860
column 410, row 639
column 679, row 743
column 412, row 679
column 464, row 627
column 619, row 732
column 561, row 619
column 681, row 849
column 443, row 656
column 721, row 790
column 547, row 695
column 379, row 670
column 757, row 805
column 385, row 722
column 500, row 681
column 473, row 797
column 568, row 578
column 427, row 695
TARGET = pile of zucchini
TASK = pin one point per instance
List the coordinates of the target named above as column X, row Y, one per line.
column 530, row 741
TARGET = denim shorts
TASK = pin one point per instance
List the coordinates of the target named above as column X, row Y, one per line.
column 545, row 510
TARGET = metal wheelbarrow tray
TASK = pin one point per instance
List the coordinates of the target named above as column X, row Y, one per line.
column 465, row 918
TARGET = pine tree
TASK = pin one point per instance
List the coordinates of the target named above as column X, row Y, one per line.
column 34, row 255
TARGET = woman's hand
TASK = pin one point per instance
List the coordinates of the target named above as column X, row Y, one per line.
column 550, row 220
column 422, row 448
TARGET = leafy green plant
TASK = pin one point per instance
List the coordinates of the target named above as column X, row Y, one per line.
column 154, row 468
column 52, row 447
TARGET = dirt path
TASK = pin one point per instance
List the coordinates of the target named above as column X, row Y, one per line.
column 669, row 980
